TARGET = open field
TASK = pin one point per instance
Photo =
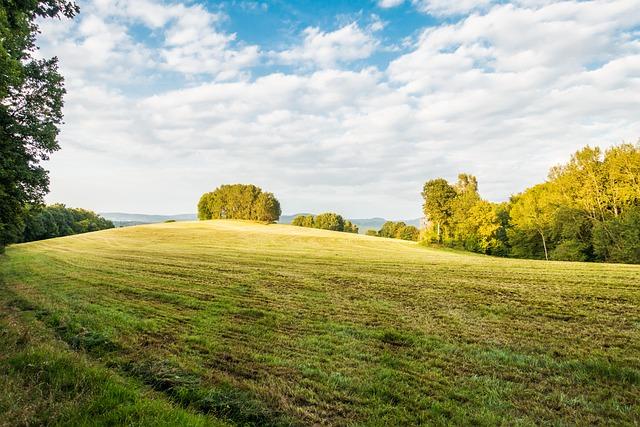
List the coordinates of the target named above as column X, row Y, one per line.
column 234, row 322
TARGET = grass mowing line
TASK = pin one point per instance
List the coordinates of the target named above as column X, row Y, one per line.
column 307, row 326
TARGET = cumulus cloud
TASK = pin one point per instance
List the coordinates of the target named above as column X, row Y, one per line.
column 190, row 41
column 448, row 7
column 503, row 93
column 326, row 49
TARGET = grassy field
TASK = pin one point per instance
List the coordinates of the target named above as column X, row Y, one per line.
column 228, row 322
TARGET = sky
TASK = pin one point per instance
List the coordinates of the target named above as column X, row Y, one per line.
column 345, row 106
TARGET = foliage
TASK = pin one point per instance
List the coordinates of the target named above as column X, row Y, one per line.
column 350, row 227
column 533, row 212
column 398, row 230
column 438, row 197
column 325, row 221
column 239, row 201
column 304, row 221
column 329, row 221
column 57, row 221
column 586, row 211
column 465, row 220
column 31, row 93
column 277, row 325
column 618, row 239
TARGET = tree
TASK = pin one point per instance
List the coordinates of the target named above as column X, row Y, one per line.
column 330, row 221
column 618, row 240
column 390, row 229
column 309, row 221
column 298, row 220
column 350, row 227
column 408, row 232
column 467, row 197
column 57, row 220
column 31, row 92
column 239, row 201
column 438, row 196
column 266, row 208
column 534, row 210
column 304, row 221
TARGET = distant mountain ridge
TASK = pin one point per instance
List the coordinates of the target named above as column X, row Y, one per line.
column 123, row 219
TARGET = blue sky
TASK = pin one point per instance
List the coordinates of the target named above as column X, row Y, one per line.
column 344, row 106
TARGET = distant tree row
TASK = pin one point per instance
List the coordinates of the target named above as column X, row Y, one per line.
column 239, row 201
column 587, row 210
column 57, row 220
column 326, row 221
column 396, row 230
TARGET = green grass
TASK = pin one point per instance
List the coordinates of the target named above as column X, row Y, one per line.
column 237, row 322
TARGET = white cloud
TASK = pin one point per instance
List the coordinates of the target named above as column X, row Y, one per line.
column 389, row 3
column 99, row 39
column 503, row 94
column 449, row 7
column 326, row 49
column 194, row 46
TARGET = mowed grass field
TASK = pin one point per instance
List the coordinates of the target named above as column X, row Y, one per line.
column 230, row 322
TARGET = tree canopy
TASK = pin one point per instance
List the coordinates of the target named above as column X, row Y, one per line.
column 57, row 220
column 587, row 210
column 32, row 92
column 397, row 230
column 325, row 221
column 239, row 201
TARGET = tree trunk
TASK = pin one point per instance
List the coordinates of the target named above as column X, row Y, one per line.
column 544, row 244
column 439, row 239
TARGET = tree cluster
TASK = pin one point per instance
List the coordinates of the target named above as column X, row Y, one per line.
column 31, row 92
column 587, row 210
column 396, row 230
column 239, row 201
column 326, row 221
column 58, row 220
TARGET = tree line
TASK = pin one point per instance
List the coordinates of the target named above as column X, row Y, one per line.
column 326, row 221
column 396, row 230
column 31, row 99
column 587, row 210
column 239, row 201
column 57, row 220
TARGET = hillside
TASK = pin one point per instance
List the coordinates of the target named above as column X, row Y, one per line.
column 363, row 224
column 129, row 219
column 121, row 219
column 212, row 322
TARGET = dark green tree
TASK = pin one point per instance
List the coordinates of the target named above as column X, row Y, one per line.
column 58, row 220
column 30, row 111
